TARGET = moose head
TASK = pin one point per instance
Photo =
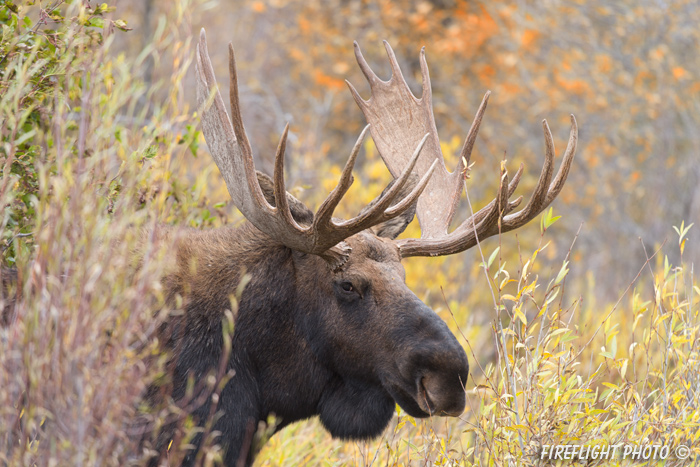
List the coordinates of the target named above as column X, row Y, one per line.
column 327, row 326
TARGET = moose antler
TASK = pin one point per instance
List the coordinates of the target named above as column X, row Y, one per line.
column 398, row 118
column 232, row 153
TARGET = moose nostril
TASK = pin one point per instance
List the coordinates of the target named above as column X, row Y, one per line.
column 442, row 396
column 424, row 399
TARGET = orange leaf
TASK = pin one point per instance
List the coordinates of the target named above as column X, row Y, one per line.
column 678, row 72
column 529, row 37
column 328, row 81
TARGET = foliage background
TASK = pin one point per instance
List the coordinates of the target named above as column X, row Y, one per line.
column 626, row 70
column 109, row 120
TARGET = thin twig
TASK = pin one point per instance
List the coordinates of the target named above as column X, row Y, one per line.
column 19, row 235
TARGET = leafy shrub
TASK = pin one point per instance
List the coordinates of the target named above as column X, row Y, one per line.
column 38, row 78
column 85, row 169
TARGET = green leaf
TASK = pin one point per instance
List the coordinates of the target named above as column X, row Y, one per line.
column 96, row 22
column 682, row 232
column 562, row 272
column 493, row 256
column 121, row 25
column 151, row 152
column 548, row 219
column 192, row 139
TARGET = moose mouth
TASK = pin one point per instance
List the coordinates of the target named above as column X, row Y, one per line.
column 416, row 399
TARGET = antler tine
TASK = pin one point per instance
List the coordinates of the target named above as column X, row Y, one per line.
column 206, row 80
column 366, row 70
column 279, row 185
column 515, row 203
column 469, row 141
column 405, row 203
column 516, row 180
column 361, row 103
column 325, row 212
column 568, row 159
column 539, row 195
column 500, row 204
column 396, row 73
column 236, row 117
column 520, row 218
column 427, row 95
column 369, row 217
column 477, row 217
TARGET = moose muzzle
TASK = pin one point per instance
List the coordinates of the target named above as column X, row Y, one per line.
column 433, row 370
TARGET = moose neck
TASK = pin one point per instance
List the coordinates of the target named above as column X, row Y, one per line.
column 270, row 338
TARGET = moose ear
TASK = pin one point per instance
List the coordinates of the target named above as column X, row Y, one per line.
column 393, row 227
column 300, row 212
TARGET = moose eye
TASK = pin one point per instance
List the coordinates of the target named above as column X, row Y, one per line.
column 346, row 291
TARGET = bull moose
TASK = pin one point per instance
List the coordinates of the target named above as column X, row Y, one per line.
column 326, row 325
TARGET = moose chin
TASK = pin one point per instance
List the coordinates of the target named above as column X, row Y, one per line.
column 326, row 325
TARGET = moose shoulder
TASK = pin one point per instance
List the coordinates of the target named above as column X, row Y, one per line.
column 326, row 325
